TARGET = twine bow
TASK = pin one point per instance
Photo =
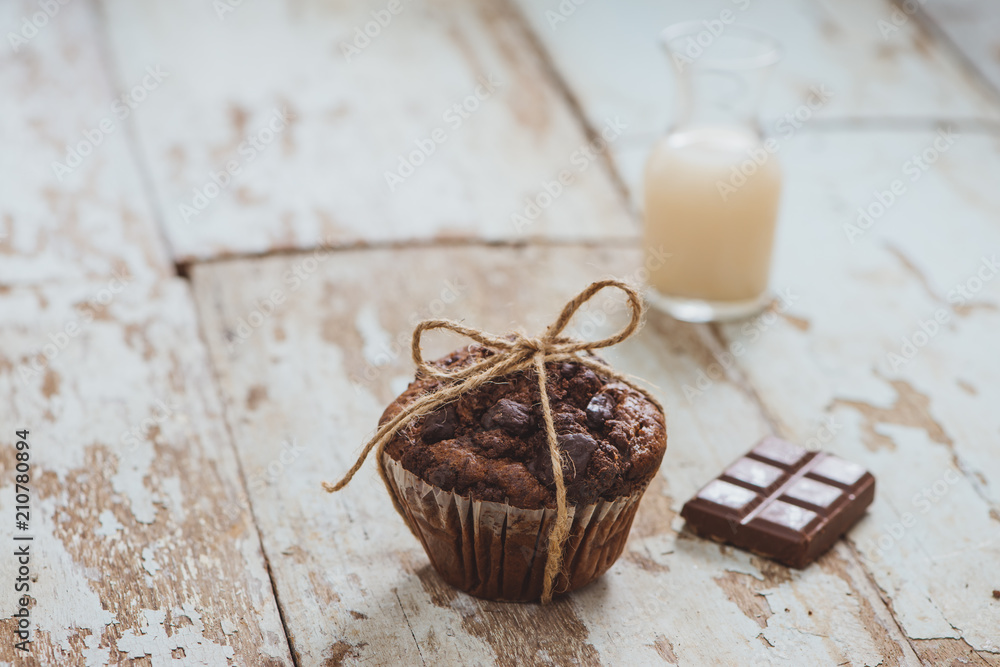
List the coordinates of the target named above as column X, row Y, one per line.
column 514, row 353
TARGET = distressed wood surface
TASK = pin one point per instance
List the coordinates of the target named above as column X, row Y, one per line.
column 923, row 421
column 902, row 79
column 153, row 540
column 973, row 28
column 310, row 349
column 144, row 546
column 88, row 218
column 320, row 179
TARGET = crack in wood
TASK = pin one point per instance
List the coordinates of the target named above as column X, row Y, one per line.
column 518, row 634
column 962, row 310
column 409, row 625
column 911, row 408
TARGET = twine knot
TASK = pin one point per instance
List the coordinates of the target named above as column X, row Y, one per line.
column 512, row 353
column 532, row 344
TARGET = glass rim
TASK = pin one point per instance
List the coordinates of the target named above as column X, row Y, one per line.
column 772, row 50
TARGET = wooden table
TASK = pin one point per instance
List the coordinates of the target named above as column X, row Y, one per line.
column 205, row 305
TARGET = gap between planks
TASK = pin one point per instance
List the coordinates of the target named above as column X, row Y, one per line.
column 145, row 177
column 128, row 127
column 934, row 32
column 184, row 268
column 227, row 425
column 562, row 88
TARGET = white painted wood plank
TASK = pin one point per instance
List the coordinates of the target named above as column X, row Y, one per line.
column 88, row 218
column 320, row 178
column 608, row 53
column 311, row 348
column 926, row 427
column 973, row 26
column 143, row 543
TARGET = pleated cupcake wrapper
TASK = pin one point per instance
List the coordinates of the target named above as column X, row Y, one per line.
column 497, row 551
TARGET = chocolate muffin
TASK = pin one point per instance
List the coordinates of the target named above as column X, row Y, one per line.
column 475, row 476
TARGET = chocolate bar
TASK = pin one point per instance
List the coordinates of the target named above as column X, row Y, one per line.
column 782, row 501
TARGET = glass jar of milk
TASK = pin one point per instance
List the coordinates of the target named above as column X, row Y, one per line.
column 712, row 184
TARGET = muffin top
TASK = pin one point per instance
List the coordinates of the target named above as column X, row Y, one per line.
column 490, row 443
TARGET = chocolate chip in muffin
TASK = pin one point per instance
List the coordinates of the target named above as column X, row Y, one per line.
column 509, row 415
column 576, row 450
column 600, row 409
column 442, row 476
column 439, row 425
column 579, row 447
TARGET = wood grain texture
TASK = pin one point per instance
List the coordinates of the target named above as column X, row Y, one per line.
column 315, row 370
column 320, row 179
column 145, row 551
column 837, row 47
column 91, row 220
column 892, row 337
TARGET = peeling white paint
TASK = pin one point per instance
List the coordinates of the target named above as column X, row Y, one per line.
column 93, row 654
column 86, row 566
column 173, row 497
column 112, row 227
column 377, row 343
column 109, row 524
column 152, row 640
column 149, row 562
column 228, row 627
column 822, row 614
column 129, row 481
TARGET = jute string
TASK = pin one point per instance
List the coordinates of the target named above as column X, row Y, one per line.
column 514, row 353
